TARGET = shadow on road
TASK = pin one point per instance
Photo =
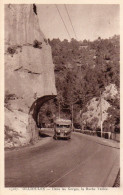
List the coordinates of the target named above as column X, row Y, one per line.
column 61, row 138
column 43, row 135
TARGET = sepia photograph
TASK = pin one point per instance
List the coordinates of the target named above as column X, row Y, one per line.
column 62, row 96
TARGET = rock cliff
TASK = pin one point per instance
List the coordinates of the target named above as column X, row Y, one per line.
column 91, row 117
column 29, row 73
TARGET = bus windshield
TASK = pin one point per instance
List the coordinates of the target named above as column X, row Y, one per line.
column 63, row 126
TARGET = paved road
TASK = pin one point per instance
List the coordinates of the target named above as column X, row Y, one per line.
column 78, row 162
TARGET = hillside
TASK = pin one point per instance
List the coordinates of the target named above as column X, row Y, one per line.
column 83, row 70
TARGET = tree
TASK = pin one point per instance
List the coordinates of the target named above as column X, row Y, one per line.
column 82, row 73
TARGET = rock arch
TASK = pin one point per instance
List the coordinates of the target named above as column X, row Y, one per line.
column 33, row 113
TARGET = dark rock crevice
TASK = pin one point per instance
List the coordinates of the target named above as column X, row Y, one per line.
column 35, row 9
column 26, row 70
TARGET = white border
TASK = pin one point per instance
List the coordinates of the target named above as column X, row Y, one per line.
column 19, row 191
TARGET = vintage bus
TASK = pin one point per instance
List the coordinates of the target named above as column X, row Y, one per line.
column 62, row 128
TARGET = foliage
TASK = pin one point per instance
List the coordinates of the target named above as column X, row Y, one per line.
column 45, row 40
column 9, row 96
column 37, row 44
column 82, row 70
column 114, row 115
column 14, row 49
column 11, row 51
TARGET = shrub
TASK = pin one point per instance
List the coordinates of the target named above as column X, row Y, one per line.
column 9, row 97
column 11, row 51
column 46, row 41
column 77, row 125
column 37, row 44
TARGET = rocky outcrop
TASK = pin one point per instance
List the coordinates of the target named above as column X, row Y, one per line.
column 29, row 73
column 91, row 118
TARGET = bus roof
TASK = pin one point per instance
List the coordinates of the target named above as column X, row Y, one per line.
column 63, row 121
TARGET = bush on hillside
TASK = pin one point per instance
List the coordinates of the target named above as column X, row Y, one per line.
column 82, row 73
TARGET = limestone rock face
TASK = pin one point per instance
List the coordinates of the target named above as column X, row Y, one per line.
column 92, row 116
column 29, row 72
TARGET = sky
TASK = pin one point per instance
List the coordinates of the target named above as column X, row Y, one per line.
column 89, row 21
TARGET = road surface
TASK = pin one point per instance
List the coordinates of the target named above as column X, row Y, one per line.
column 79, row 162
